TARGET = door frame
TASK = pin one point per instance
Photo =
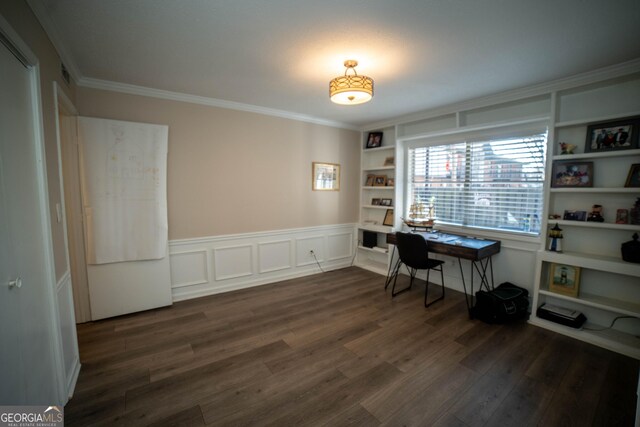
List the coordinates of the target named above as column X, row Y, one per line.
column 63, row 104
column 30, row 60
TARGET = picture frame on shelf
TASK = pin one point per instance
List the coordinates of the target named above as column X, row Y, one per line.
column 572, row 174
column 374, row 140
column 370, row 179
column 380, row 181
column 386, row 202
column 633, row 179
column 375, row 202
column 389, row 161
column 622, row 216
column 391, row 182
column 325, row 176
column 564, row 279
column 388, row 218
column 612, row 135
column 575, row 215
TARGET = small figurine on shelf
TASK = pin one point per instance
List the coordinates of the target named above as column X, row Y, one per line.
column 596, row 214
column 555, row 234
column 634, row 213
column 567, row 148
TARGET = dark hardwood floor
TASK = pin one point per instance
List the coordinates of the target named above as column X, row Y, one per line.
column 334, row 349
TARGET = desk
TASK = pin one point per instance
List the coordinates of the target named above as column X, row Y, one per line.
column 478, row 251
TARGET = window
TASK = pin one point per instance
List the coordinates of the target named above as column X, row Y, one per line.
column 491, row 183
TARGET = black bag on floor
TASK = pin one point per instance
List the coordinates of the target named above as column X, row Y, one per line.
column 507, row 302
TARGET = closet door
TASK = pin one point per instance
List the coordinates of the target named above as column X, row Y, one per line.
column 28, row 330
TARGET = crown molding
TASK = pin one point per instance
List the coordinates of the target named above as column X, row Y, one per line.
column 202, row 100
column 40, row 10
column 546, row 88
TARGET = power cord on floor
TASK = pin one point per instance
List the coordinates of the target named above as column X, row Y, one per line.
column 353, row 258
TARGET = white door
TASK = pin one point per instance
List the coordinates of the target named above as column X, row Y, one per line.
column 28, row 373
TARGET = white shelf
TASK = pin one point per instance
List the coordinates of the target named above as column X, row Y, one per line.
column 383, row 148
column 590, row 120
column 626, row 344
column 594, row 262
column 600, row 225
column 375, row 228
column 622, row 190
column 376, row 207
column 375, row 251
column 379, row 168
column 375, row 266
column 379, row 187
column 601, row 155
column 626, row 308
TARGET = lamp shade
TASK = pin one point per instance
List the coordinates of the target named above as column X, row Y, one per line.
column 351, row 89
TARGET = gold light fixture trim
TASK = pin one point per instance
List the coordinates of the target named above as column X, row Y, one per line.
column 351, row 89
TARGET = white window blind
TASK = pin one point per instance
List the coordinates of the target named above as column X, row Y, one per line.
column 490, row 183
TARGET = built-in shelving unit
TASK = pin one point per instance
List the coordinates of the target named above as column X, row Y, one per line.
column 374, row 161
column 609, row 287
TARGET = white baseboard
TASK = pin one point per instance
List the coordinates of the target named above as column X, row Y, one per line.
column 210, row 265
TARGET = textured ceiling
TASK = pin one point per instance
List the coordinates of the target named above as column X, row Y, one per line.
column 281, row 54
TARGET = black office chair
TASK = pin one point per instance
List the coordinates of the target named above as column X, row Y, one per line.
column 414, row 254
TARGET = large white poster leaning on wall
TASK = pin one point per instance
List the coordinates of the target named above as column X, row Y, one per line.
column 124, row 195
column 124, row 172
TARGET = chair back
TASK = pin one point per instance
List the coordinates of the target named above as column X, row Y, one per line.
column 413, row 250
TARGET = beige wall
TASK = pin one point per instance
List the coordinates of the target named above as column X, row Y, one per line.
column 24, row 22
column 234, row 172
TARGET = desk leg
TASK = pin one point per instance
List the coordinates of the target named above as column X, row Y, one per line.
column 464, row 286
column 393, row 269
column 484, row 280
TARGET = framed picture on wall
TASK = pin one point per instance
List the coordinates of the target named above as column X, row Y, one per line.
column 325, row 176
column 564, row 279
column 612, row 136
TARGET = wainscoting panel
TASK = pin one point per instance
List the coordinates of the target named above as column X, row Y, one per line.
column 305, row 245
column 231, row 262
column 211, row 265
column 189, row 268
column 339, row 246
column 274, row 256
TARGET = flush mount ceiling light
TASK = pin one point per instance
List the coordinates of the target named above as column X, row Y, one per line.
column 351, row 89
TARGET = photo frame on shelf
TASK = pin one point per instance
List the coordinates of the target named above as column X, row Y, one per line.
column 633, row 179
column 622, row 216
column 380, row 181
column 389, row 161
column 612, row 136
column 386, row 202
column 325, row 176
column 390, row 182
column 374, row 140
column 572, row 174
column 564, row 279
column 575, row 215
column 388, row 218
column 370, row 179
column 375, row 202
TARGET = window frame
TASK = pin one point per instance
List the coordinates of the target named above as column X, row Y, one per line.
column 505, row 131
